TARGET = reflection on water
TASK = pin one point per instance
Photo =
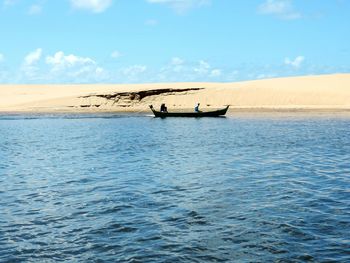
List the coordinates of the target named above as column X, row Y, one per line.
column 139, row 189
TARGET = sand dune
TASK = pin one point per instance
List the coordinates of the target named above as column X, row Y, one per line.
column 330, row 92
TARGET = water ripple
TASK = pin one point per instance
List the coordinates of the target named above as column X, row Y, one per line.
column 119, row 188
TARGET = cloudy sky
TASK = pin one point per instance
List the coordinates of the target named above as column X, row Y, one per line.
column 133, row 41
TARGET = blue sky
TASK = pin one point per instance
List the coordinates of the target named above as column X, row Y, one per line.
column 135, row 41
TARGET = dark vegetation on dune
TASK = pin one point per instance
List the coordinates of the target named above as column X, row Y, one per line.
column 139, row 95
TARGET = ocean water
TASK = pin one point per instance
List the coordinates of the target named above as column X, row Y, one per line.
column 118, row 188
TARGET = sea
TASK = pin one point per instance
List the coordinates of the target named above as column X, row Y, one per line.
column 133, row 188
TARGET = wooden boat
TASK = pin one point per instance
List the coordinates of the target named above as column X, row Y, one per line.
column 216, row 113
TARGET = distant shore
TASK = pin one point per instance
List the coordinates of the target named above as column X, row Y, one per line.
column 325, row 93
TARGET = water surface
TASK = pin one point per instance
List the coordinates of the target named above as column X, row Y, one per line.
column 99, row 188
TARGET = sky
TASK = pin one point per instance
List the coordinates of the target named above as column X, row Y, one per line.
column 139, row 41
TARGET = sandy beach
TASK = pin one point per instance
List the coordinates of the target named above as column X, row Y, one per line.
column 308, row 93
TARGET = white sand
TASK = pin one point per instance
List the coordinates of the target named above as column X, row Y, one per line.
column 327, row 92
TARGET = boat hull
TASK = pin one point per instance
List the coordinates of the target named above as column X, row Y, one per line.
column 216, row 113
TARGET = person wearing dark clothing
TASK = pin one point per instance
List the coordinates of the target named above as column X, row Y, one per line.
column 163, row 108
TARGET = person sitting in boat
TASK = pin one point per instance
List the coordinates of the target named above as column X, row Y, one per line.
column 196, row 108
column 163, row 108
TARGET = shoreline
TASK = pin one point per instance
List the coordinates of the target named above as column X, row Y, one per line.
column 234, row 112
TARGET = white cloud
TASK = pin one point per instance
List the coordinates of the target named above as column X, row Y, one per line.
column 2, row 57
column 134, row 70
column 60, row 68
column 60, row 61
column 179, row 70
column 87, row 74
column 35, row 9
column 176, row 65
column 30, row 67
column 95, row 6
column 177, row 61
column 74, row 69
column 215, row 73
column 296, row 63
column 172, row 70
column 132, row 74
column 202, row 68
column 100, row 71
column 181, row 6
column 116, row 54
column 281, row 8
column 33, row 57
